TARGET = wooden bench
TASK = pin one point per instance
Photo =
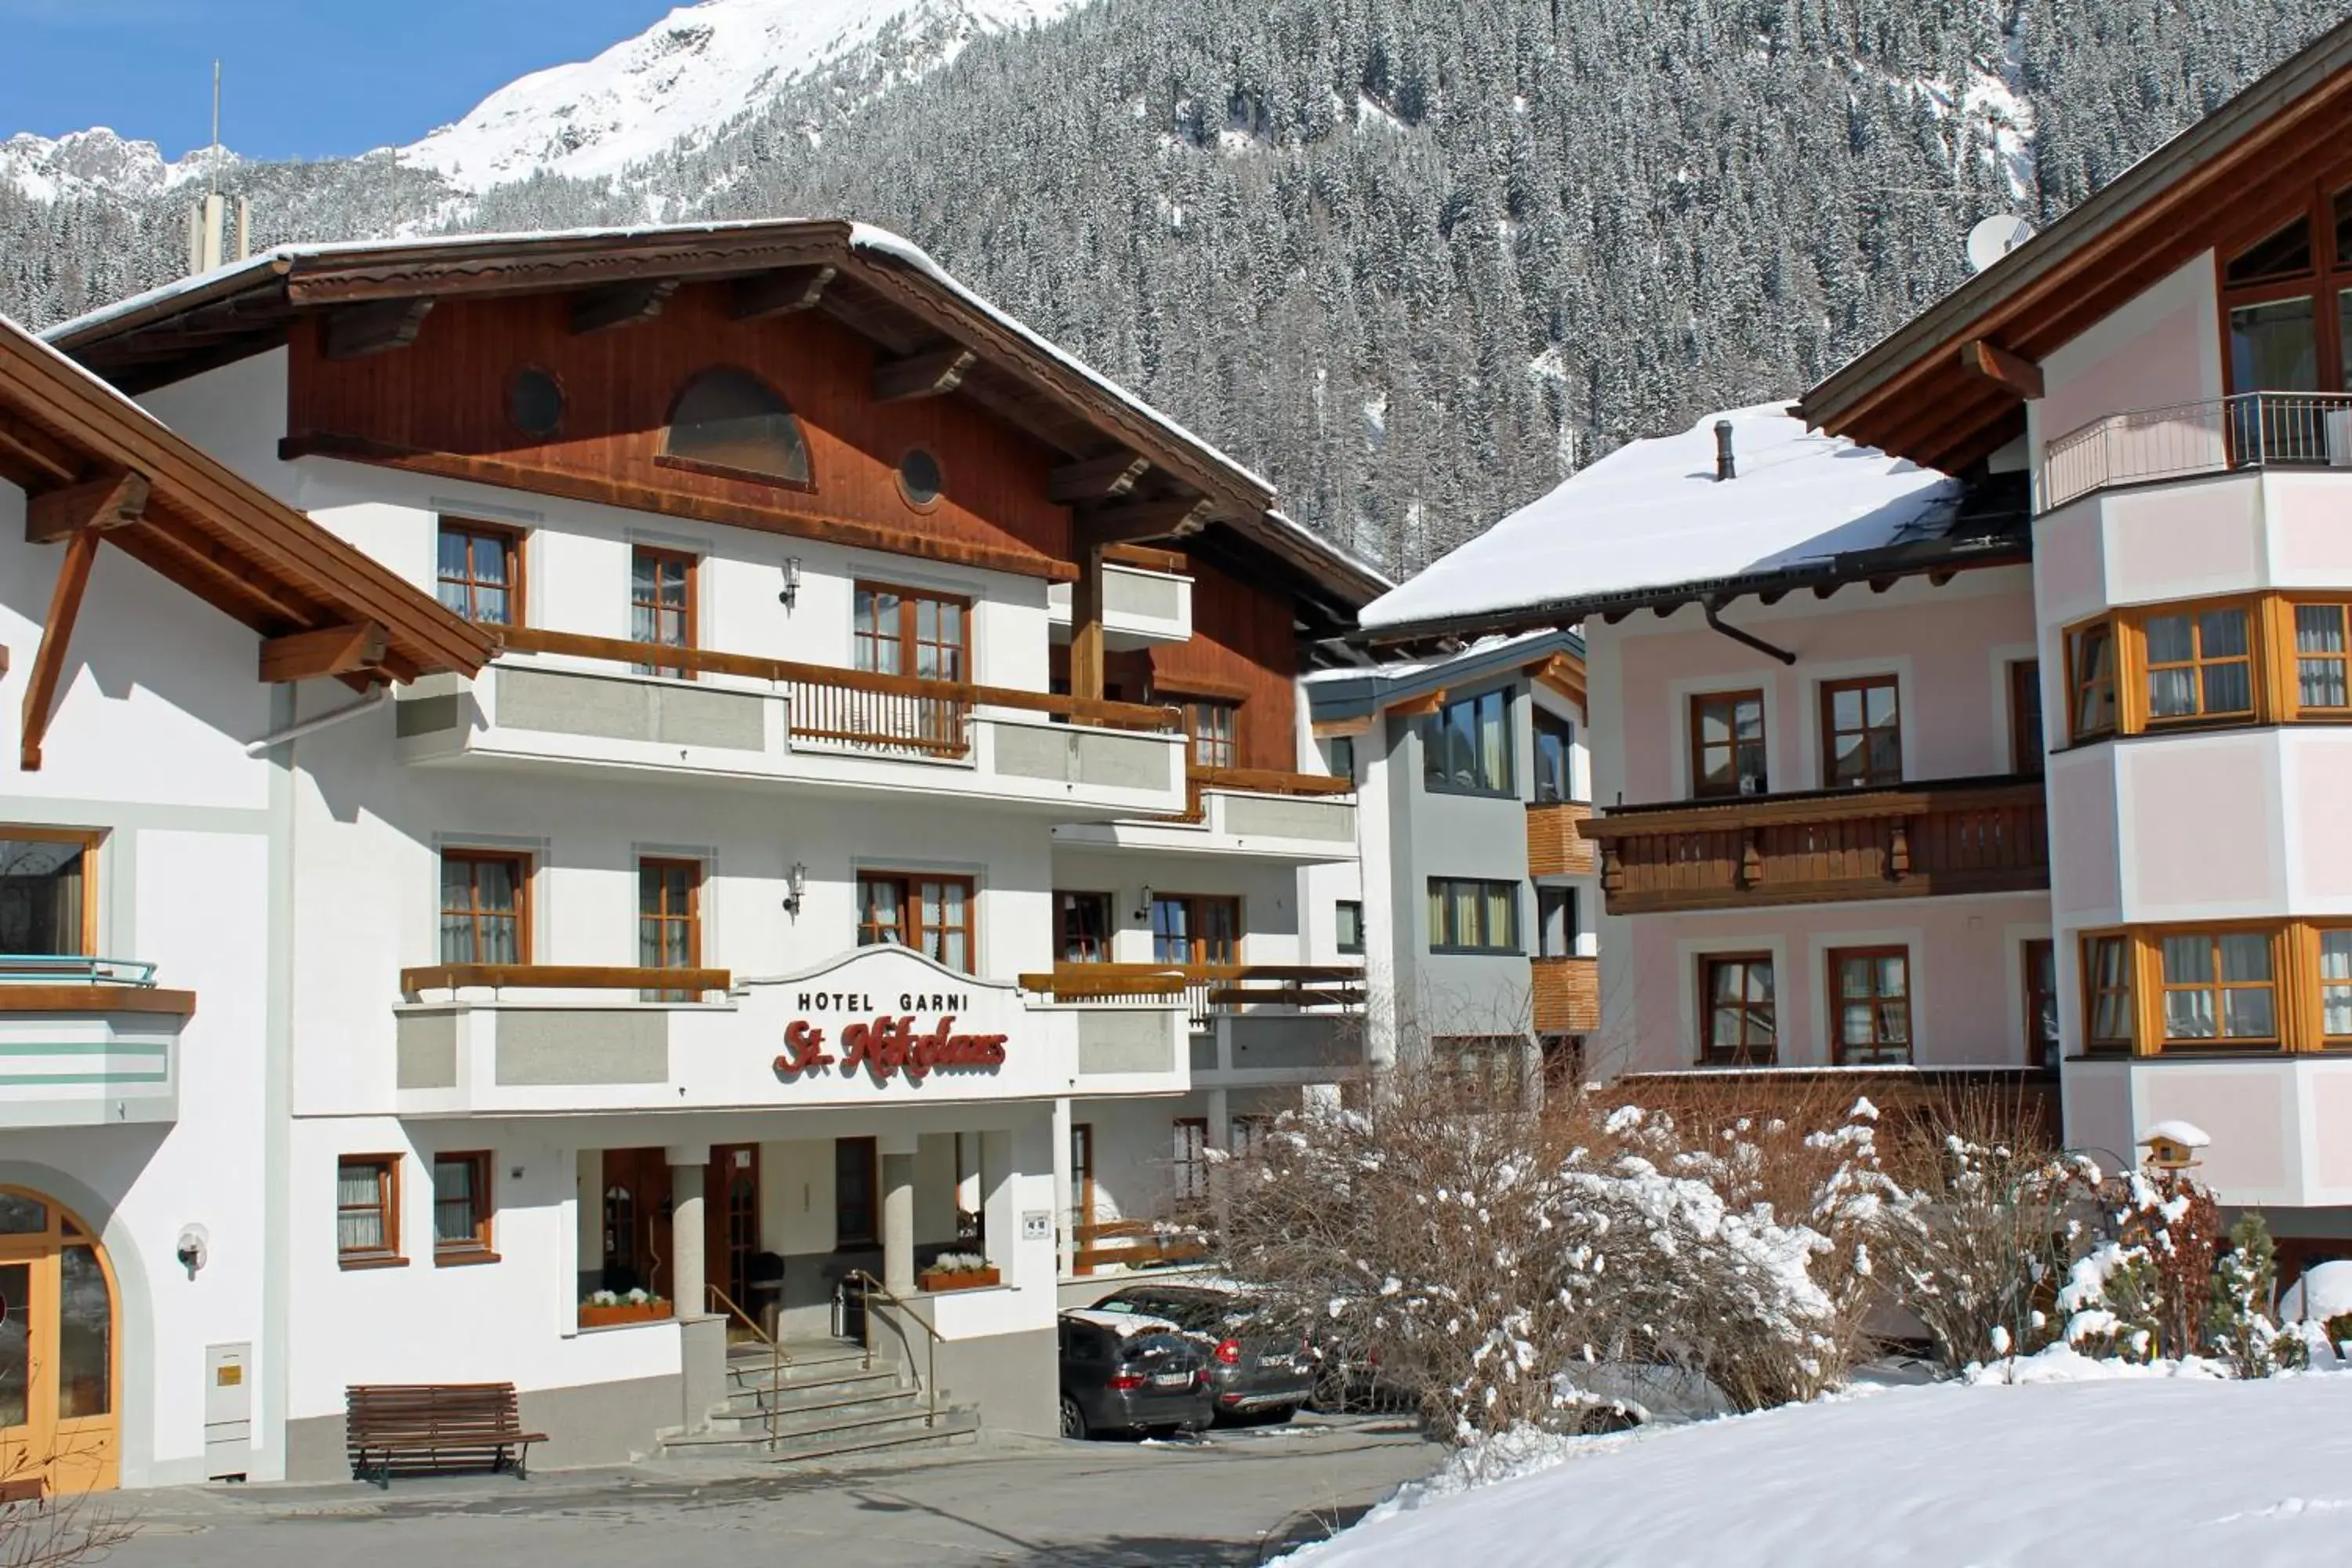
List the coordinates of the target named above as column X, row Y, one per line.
column 422, row 1427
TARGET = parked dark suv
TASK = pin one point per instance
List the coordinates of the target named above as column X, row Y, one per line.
column 1258, row 1373
column 1130, row 1374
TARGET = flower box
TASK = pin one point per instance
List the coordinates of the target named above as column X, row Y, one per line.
column 939, row 1280
column 612, row 1316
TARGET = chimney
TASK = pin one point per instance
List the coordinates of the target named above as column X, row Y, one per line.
column 1724, row 468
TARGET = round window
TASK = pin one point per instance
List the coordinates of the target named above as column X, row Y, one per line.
column 535, row 402
column 918, row 477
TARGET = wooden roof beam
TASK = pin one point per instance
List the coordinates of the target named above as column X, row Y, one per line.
column 2011, row 372
column 30, row 450
column 332, row 651
column 784, row 292
column 1140, row 522
column 931, row 373
column 197, row 563
column 113, row 501
column 620, row 305
column 57, row 633
column 1095, row 479
column 377, row 327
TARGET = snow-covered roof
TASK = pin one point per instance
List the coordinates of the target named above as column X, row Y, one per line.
column 1652, row 515
column 2188, row 1134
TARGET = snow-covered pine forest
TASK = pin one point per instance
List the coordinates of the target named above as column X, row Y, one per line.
column 1414, row 259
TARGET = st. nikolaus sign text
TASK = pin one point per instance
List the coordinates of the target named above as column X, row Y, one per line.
column 919, row 1038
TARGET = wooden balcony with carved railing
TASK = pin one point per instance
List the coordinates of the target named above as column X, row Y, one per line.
column 1924, row 840
column 1555, row 847
column 1566, row 995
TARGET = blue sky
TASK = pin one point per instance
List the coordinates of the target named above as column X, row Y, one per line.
column 302, row 79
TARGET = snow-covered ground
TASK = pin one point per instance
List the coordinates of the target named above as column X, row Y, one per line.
column 2084, row 1473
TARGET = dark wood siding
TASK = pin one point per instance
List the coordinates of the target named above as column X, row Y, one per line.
column 447, row 393
column 1242, row 650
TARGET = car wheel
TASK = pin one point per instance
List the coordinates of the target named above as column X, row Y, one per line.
column 1074, row 1420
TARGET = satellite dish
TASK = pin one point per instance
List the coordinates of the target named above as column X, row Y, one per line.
column 1996, row 237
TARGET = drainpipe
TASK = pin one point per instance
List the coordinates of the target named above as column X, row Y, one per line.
column 1749, row 639
column 377, row 696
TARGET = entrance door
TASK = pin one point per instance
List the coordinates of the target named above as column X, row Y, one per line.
column 59, row 1426
column 731, row 1210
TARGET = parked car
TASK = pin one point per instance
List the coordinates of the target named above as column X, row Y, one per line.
column 1257, row 1371
column 1128, row 1372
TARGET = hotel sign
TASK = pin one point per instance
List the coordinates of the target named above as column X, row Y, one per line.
column 854, row 1020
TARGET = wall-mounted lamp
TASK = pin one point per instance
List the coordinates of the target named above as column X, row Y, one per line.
column 1144, row 913
column 798, row 877
column 791, row 597
column 195, row 1249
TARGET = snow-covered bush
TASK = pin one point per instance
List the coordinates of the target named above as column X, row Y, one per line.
column 2143, row 1294
column 2238, row 1316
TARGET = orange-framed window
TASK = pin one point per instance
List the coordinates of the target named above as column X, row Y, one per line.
column 1737, row 1022
column 367, row 1210
column 2287, row 295
column 1083, row 925
column 1212, row 722
column 1870, row 1002
column 2091, row 680
column 2108, row 993
column 933, row 914
column 2335, row 987
column 1862, row 733
column 2322, row 658
column 662, row 602
column 2218, row 988
column 461, row 1207
column 48, row 892
column 481, row 571
column 1195, row 928
column 485, row 906
column 907, row 631
column 669, row 918
column 2199, row 663
column 1727, row 743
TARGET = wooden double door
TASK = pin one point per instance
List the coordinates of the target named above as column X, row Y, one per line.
column 638, row 1232
column 60, row 1365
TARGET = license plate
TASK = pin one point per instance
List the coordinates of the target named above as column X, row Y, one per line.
column 1283, row 1361
column 1173, row 1380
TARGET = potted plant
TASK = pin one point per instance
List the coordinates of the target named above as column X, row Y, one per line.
column 609, row 1308
column 958, row 1271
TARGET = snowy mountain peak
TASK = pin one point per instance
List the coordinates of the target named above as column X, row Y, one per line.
column 96, row 159
column 696, row 69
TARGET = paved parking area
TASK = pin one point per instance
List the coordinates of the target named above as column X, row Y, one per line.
column 1232, row 1499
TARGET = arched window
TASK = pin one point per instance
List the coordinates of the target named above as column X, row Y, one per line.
column 730, row 422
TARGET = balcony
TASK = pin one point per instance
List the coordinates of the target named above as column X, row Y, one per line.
column 1147, row 599
column 1251, row 1025
column 1567, row 993
column 875, row 1027
column 1925, row 840
column 588, row 703
column 2254, row 430
column 1555, row 848
column 1250, row 813
column 88, row 1042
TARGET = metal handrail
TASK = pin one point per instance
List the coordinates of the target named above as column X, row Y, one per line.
column 776, row 1359
column 2250, row 430
column 873, row 1287
column 50, row 968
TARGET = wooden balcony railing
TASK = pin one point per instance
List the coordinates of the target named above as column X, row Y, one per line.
column 1955, row 836
column 1199, row 780
column 453, row 977
column 1207, row 989
column 1566, row 995
column 857, row 710
column 1135, row 1244
column 1554, row 846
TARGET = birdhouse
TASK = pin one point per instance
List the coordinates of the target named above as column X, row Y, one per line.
column 2173, row 1146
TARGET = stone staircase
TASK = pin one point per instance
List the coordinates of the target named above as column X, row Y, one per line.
column 825, row 1402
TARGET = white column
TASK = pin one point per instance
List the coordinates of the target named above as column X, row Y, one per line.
column 687, row 1234
column 1220, row 1117
column 588, row 1181
column 1065, row 1244
column 897, row 1213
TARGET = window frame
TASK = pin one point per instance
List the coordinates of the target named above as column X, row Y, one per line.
column 386, row 1206
column 1710, row 1052
column 691, row 919
column 2194, row 613
column 1842, row 1051
column 2116, row 683
column 2292, row 656
column 1563, row 893
column 478, row 1247
column 93, row 841
column 2041, row 999
column 1108, row 904
column 1336, row 748
column 1339, row 922
column 665, row 458
column 1188, row 1157
column 511, row 540
column 1694, row 717
column 1436, row 779
column 1545, row 726
column 2219, row 989
column 2126, row 994
column 520, row 864
column 2028, row 726
column 664, row 555
column 1213, row 731
column 848, row 1239
column 1826, row 695
column 2320, row 931
column 1200, row 947
column 1443, row 928
column 866, row 631
column 2325, row 280
column 912, row 931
